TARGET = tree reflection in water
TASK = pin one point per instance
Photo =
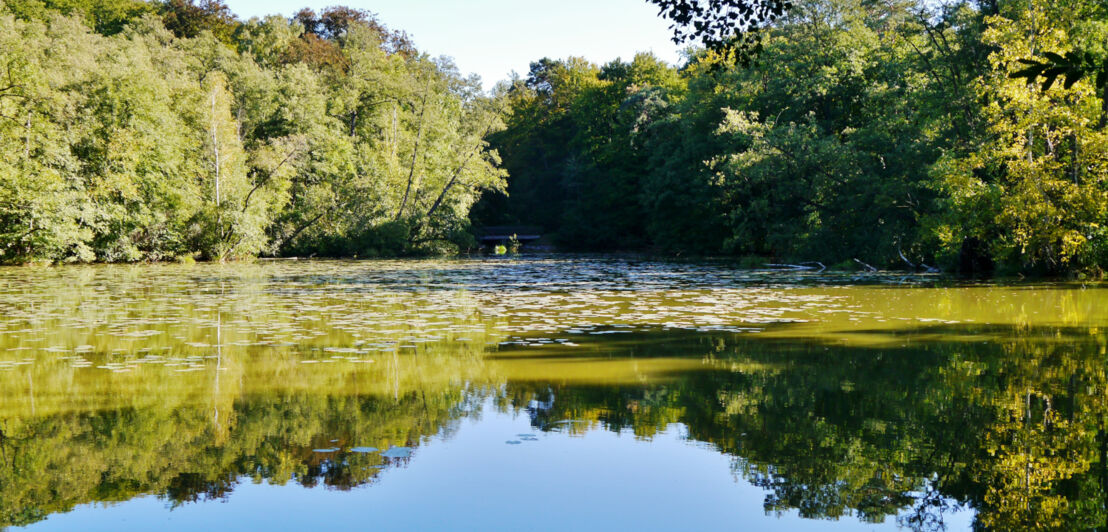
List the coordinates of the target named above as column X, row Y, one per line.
column 1013, row 428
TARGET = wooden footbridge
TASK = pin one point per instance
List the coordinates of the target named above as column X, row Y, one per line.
column 491, row 235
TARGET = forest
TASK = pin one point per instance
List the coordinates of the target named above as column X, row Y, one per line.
column 967, row 136
column 147, row 131
column 891, row 132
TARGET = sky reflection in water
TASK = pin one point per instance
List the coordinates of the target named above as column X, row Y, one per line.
column 473, row 481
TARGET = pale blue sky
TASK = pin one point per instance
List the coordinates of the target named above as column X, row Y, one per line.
column 493, row 37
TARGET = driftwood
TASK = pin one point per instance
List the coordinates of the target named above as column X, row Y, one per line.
column 803, row 266
column 924, row 267
column 865, row 266
column 929, row 269
column 905, row 259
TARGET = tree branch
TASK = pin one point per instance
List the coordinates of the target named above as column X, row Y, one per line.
column 300, row 229
column 246, row 202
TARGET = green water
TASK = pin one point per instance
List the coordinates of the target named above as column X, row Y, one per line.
column 546, row 393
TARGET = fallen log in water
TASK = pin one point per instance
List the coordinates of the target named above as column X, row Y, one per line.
column 867, row 267
column 803, row 266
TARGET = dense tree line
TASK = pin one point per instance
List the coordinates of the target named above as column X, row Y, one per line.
column 134, row 131
column 889, row 132
column 969, row 135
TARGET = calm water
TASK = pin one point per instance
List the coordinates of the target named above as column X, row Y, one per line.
column 546, row 393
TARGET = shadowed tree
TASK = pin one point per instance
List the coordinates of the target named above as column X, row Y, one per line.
column 187, row 19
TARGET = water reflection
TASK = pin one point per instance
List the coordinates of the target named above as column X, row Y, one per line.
column 880, row 403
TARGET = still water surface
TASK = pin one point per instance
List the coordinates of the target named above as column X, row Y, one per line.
column 546, row 393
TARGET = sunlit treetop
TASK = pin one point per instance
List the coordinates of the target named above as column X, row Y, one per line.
column 332, row 23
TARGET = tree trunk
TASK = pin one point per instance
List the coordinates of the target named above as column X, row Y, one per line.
column 264, row 180
column 415, row 154
column 454, row 176
column 1104, row 105
column 27, row 140
column 1076, row 170
column 215, row 153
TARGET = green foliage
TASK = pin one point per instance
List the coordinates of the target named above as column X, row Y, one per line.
column 107, row 17
column 970, row 135
column 1072, row 67
column 175, row 129
column 575, row 139
column 726, row 26
column 893, row 133
column 1035, row 186
column 188, row 19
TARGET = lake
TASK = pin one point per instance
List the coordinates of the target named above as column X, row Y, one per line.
column 546, row 393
